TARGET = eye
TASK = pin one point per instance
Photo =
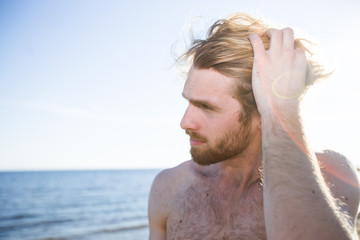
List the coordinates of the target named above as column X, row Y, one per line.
column 205, row 107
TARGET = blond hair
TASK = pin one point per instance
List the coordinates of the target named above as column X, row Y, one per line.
column 228, row 51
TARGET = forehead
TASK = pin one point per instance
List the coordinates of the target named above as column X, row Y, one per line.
column 207, row 83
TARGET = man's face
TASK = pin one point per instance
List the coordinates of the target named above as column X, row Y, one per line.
column 214, row 118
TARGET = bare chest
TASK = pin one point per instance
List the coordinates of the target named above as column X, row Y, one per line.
column 204, row 213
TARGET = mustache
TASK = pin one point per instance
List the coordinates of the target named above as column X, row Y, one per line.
column 196, row 136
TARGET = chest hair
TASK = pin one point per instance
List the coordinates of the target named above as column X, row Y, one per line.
column 204, row 212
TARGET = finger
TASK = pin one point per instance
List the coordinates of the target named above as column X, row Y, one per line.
column 288, row 38
column 257, row 44
column 276, row 39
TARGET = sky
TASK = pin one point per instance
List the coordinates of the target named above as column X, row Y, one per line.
column 94, row 84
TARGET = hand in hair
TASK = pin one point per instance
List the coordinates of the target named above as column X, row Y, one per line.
column 279, row 73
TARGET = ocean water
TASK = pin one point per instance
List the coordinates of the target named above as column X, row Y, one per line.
column 81, row 205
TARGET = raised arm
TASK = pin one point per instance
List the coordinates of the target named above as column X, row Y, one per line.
column 298, row 204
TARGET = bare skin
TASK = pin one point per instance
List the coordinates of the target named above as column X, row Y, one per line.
column 297, row 195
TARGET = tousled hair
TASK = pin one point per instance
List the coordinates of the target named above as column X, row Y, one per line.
column 227, row 50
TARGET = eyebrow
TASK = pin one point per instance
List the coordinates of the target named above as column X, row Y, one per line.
column 201, row 103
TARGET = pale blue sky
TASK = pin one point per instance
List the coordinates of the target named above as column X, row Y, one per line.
column 92, row 84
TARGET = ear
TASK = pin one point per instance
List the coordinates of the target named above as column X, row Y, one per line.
column 256, row 119
column 259, row 125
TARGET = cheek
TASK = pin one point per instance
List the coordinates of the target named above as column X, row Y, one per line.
column 224, row 125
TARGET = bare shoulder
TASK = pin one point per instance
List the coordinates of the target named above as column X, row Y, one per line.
column 169, row 181
column 342, row 178
column 165, row 185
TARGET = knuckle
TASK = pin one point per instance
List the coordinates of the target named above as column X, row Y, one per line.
column 275, row 32
column 288, row 31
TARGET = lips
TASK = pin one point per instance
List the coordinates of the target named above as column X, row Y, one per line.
column 195, row 138
column 195, row 142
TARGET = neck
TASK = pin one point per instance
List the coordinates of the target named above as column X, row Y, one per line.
column 243, row 171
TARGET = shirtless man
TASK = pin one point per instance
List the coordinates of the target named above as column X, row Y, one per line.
column 252, row 174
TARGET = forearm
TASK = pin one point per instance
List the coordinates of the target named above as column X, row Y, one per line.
column 298, row 204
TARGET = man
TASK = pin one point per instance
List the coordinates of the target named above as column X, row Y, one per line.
column 252, row 175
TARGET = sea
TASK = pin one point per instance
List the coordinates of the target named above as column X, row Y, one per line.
column 75, row 205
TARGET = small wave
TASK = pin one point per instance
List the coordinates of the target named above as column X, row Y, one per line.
column 54, row 238
column 114, row 230
column 119, row 229
column 17, row 217
column 125, row 219
column 33, row 224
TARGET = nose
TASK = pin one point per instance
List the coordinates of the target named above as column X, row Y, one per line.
column 188, row 122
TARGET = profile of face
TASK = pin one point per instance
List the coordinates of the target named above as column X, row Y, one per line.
column 214, row 119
